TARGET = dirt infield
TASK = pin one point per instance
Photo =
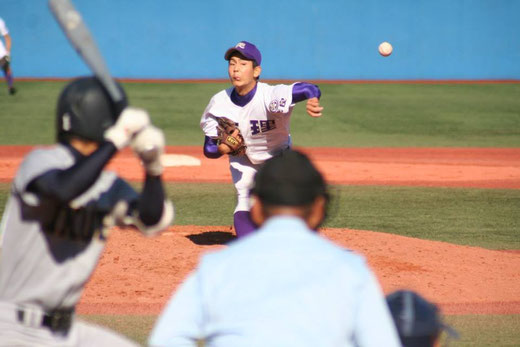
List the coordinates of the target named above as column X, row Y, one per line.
column 137, row 275
column 440, row 167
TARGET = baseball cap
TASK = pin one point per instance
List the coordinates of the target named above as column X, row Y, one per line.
column 288, row 179
column 418, row 321
column 247, row 49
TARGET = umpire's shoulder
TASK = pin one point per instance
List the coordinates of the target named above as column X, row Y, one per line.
column 345, row 256
column 354, row 259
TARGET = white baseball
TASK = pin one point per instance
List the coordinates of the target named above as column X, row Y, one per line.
column 385, row 49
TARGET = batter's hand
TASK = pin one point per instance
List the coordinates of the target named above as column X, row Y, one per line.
column 131, row 121
column 149, row 146
column 313, row 107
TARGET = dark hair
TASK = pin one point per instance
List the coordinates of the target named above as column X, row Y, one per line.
column 289, row 179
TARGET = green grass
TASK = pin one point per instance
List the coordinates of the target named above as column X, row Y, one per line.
column 4, row 194
column 476, row 217
column 28, row 117
column 474, row 330
column 135, row 327
column 420, row 115
column 356, row 115
column 203, row 203
column 485, row 330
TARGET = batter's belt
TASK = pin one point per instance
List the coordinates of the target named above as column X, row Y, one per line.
column 58, row 321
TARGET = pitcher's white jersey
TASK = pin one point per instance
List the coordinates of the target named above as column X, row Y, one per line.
column 264, row 121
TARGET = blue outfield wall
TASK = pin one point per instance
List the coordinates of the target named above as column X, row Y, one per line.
column 299, row 39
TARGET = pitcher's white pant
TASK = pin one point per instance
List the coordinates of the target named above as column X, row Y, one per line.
column 243, row 174
column 81, row 334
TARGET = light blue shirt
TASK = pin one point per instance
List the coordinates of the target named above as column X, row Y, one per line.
column 283, row 285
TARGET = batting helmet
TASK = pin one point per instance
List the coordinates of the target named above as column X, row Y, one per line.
column 86, row 110
column 418, row 321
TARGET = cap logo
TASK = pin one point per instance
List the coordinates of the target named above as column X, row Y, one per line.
column 241, row 45
column 66, row 122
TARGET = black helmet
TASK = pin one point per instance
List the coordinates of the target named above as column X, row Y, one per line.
column 86, row 110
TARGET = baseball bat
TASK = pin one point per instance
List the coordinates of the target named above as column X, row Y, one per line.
column 80, row 38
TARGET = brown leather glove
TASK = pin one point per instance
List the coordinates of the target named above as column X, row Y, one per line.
column 229, row 134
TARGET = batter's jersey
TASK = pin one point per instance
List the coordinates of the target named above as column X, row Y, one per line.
column 38, row 267
column 3, row 32
column 264, row 121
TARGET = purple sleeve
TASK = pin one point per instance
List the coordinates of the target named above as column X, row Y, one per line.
column 211, row 148
column 303, row 91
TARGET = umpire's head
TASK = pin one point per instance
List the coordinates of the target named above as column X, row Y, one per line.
column 289, row 184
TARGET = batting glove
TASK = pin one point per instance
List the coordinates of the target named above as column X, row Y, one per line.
column 131, row 121
column 149, row 146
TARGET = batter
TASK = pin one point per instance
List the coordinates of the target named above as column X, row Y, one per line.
column 60, row 208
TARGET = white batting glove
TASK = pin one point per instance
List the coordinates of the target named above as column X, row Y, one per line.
column 131, row 121
column 149, row 146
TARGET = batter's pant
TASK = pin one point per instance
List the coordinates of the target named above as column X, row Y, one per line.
column 32, row 333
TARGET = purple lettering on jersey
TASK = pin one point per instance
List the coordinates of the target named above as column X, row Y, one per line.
column 262, row 126
column 266, row 125
column 255, row 129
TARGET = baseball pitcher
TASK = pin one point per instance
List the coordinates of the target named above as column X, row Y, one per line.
column 250, row 122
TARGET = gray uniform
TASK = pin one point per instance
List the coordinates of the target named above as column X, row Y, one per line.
column 40, row 271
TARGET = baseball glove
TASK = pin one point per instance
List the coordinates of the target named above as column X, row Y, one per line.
column 229, row 134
